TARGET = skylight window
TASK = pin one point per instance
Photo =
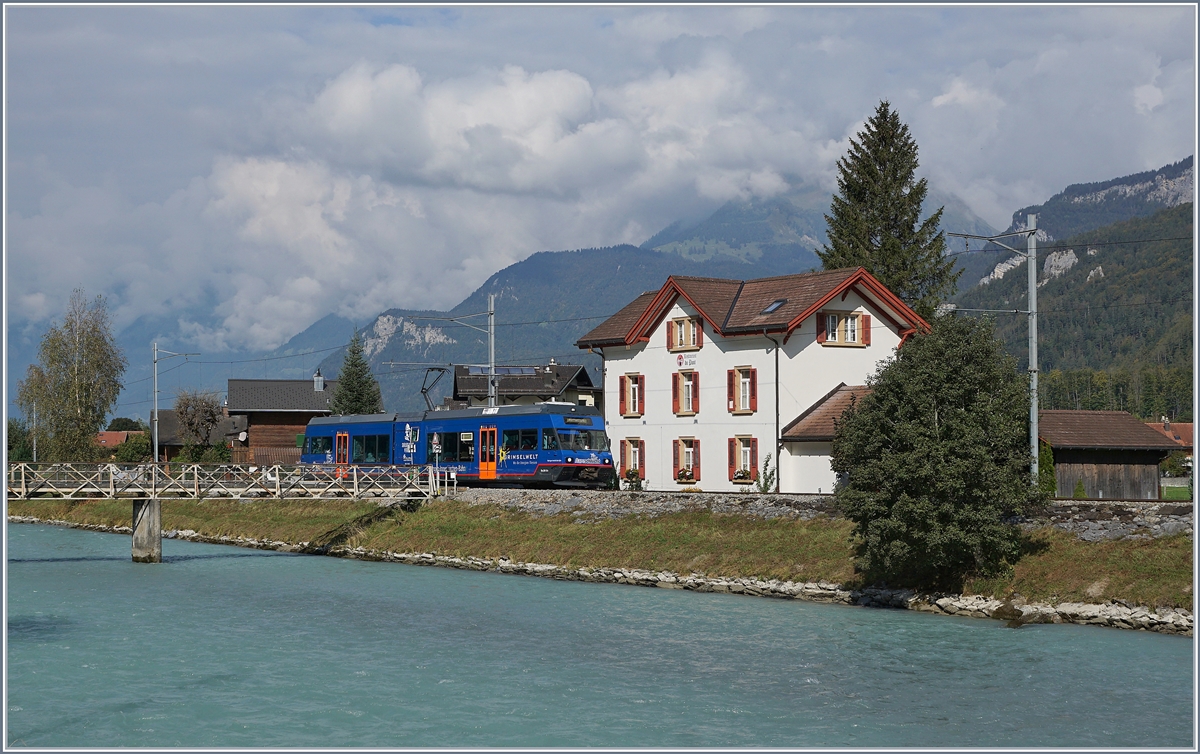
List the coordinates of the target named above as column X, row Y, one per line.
column 774, row 305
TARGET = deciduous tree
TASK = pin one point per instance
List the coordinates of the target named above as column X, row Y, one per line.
column 937, row 459
column 875, row 218
column 198, row 413
column 356, row 391
column 75, row 383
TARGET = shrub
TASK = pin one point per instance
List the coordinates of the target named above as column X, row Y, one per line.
column 135, row 449
column 1080, row 493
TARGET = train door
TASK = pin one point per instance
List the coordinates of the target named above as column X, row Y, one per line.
column 341, row 448
column 487, row 452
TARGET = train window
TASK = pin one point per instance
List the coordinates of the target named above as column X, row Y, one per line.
column 370, row 449
column 456, row 446
column 320, row 445
column 549, row 439
column 519, row 439
column 583, row 439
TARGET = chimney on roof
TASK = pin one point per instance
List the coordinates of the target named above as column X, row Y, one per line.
column 318, row 382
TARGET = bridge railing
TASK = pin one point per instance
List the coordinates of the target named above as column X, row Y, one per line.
column 70, row 481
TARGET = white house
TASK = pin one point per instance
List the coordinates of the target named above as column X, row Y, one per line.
column 705, row 376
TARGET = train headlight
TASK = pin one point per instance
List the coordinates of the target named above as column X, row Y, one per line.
column 570, row 459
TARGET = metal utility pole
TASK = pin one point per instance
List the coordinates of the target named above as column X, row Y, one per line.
column 1030, row 253
column 35, row 433
column 491, row 350
column 154, row 419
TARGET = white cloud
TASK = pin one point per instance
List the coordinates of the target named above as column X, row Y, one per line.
column 234, row 179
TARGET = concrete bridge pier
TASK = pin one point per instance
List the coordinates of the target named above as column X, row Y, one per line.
column 147, row 531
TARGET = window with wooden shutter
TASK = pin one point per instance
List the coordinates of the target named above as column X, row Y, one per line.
column 753, row 389
column 675, row 392
column 696, row 460
column 641, row 401
column 699, row 333
column 695, row 392
column 730, row 377
column 821, row 328
column 732, row 457
column 675, row 459
column 624, row 457
column 641, row 459
column 866, row 329
column 670, row 334
column 623, row 389
column 754, row 458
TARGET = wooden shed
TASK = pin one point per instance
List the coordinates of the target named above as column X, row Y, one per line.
column 1115, row 454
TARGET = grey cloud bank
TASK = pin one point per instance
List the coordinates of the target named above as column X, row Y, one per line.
column 235, row 173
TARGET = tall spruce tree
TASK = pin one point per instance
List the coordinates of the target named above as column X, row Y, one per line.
column 875, row 222
column 356, row 391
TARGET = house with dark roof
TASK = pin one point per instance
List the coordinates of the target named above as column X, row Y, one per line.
column 1111, row 452
column 171, row 439
column 527, row 385
column 275, row 413
column 703, row 375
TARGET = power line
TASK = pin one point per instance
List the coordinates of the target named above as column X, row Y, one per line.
column 1075, row 246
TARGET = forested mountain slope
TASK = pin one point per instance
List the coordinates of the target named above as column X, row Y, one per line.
column 1116, row 300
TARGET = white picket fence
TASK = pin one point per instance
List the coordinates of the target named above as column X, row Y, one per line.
column 73, row 481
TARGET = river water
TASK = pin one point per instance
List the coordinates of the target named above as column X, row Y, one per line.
column 222, row 646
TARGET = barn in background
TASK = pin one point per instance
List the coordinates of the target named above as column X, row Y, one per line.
column 1114, row 454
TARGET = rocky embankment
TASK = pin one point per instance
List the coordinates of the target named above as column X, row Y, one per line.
column 1016, row 613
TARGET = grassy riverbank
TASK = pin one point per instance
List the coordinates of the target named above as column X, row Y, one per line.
column 1057, row 567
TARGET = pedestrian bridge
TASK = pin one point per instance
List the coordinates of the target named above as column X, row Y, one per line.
column 75, row 481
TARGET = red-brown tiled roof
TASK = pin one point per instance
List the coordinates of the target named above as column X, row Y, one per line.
column 613, row 330
column 111, row 439
column 1179, row 432
column 816, row 424
column 1111, row 430
column 735, row 307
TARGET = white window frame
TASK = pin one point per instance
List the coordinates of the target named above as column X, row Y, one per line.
column 832, row 327
column 631, row 394
column 687, row 459
column 843, row 329
column 851, row 328
column 684, row 333
column 743, row 389
column 687, row 397
column 744, row 454
column 633, row 455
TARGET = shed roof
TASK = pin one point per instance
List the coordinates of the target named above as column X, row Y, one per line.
column 244, row 396
column 545, row 380
column 1099, row 430
column 816, row 424
column 1179, row 432
column 169, row 433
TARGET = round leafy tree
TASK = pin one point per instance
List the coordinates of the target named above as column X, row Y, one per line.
column 356, row 391
column 936, row 459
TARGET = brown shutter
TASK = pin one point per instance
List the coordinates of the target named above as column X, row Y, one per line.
column 729, row 378
column 675, row 459
column 699, row 333
column 754, row 458
column 670, row 334
column 641, row 406
column 732, row 457
column 821, row 327
column 865, row 328
column 696, row 392
column 624, row 457
column 641, row 459
column 753, row 389
column 696, row 460
column 623, row 386
column 675, row 392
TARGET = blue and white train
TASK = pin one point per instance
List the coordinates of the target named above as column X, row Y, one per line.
column 547, row 444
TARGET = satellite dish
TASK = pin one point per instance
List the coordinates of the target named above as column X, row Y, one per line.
column 242, row 436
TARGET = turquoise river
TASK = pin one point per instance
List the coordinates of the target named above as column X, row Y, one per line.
column 227, row 647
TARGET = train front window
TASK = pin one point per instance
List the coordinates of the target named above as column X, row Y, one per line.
column 321, row 445
column 582, row 439
column 549, row 440
column 370, row 449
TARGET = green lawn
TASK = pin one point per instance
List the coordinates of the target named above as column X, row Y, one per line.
column 1176, row 493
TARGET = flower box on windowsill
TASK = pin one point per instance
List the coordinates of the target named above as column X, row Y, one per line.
column 685, row 477
column 742, row 476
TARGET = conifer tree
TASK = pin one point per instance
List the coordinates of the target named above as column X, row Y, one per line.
column 874, row 220
column 356, row 391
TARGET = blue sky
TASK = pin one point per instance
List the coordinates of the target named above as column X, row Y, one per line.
column 233, row 173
